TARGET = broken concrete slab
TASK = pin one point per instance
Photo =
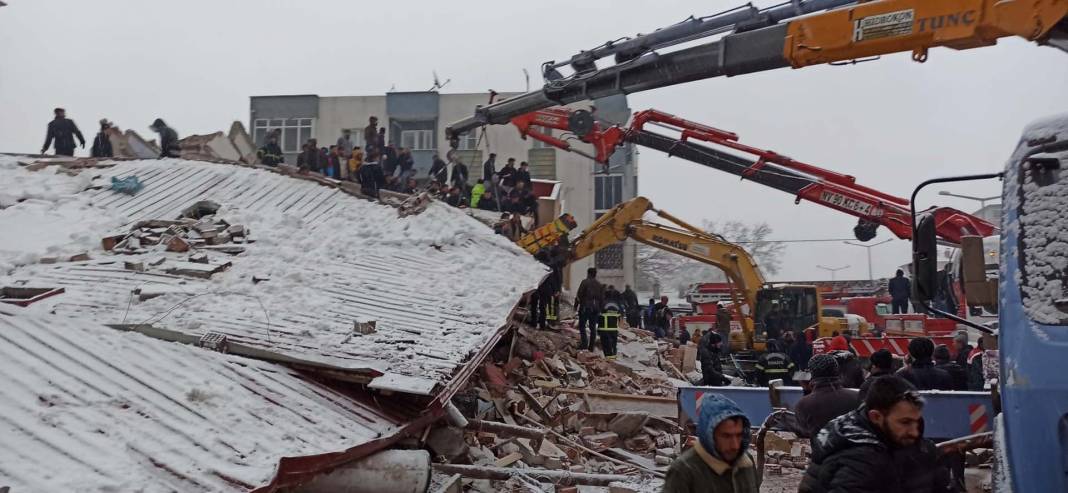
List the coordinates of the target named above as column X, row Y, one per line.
column 626, row 424
column 241, row 141
column 447, row 441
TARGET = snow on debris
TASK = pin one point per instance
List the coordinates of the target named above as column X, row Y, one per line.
column 438, row 284
column 1042, row 226
column 88, row 408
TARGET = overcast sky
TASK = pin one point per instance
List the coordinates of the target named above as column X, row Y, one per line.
column 891, row 123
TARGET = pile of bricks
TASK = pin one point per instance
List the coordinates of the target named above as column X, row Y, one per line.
column 180, row 235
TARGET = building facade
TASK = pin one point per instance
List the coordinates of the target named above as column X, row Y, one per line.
column 417, row 120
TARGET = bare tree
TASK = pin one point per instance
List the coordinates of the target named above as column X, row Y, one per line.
column 677, row 272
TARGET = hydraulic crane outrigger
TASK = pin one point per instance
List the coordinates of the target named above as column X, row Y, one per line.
column 872, row 207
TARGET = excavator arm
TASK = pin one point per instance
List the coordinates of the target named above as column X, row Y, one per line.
column 721, row 150
column 845, row 34
column 626, row 220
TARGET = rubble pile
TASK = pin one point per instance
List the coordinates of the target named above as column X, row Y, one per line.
column 785, row 450
column 179, row 235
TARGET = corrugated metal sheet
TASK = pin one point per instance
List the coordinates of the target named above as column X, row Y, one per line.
column 417, row 286
column 87, row 408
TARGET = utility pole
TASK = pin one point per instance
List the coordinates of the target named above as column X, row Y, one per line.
column 869, row 247
column 832, row 270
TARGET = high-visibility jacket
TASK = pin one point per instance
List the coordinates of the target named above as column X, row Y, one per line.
column 552, row 306
column 610, row 317
column 771, row 366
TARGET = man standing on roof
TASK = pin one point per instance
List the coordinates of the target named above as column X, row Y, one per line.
column 719, row 462
column 878, row 447
column 370, row 137
column 900, row 291
column 102, row 142
column 589, row 300
column 62, row 130
column 168, row 139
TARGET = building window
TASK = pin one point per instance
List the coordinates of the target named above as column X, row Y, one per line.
column 417, row 140
column 607, row 192
column 295, row 132
column 544, row 131
column 469, row 141
column 609, row 257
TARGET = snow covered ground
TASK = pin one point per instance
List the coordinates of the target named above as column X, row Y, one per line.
column 438, row 284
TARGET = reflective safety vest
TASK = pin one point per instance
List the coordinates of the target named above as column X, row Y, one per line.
column 774, row 364
column 609, row 321
column 550, row 310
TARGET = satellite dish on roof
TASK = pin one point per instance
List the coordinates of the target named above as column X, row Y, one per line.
column 437, row 82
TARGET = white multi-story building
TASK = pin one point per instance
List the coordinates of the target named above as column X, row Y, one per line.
column 417, row 120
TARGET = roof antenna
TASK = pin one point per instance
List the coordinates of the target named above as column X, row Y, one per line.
column 526, row 75
column 437, row 82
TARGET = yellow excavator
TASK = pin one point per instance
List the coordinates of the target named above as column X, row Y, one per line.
column 753, row 299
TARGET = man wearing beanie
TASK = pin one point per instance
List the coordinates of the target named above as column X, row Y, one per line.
column 828, row 398
column 922, row 372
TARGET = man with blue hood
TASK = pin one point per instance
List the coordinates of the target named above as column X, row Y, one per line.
column 719, row 462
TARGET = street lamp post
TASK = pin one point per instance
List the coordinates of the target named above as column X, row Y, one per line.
column 982, row 200
column 832, row 270
column 869, row 247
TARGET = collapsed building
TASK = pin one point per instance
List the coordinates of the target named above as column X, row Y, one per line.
column 227, row 327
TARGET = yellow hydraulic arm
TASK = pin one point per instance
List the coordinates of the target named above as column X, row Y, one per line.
column 626, row 221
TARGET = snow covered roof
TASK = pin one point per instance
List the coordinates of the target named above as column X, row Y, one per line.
column 88, row 408
column 439, row 284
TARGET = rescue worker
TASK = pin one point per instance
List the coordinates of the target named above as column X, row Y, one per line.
column 958, row 376
column 723, row 326
column 476, row 193
column 63, row 131
column 439, row 170
column 774, row 364
column 827, row 398
column 589, row 300
column 355, row 162
column 921, row 372
column 719, row 461
column 609, row 327
column 102, row 142
column 168, row 139
column 900, row 291
column 878, row 447
column 271, row 154
column 882, row 364
column 708, row 353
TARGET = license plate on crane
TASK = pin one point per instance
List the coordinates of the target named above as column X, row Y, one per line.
column 850, row 204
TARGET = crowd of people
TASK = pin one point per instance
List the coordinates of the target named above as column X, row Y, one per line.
column 866, row 428
column 380, row 165
column 62, row 131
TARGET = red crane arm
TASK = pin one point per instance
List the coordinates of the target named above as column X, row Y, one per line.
column 805, row 181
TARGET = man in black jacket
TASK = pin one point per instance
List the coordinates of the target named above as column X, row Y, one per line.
column 168, row 139
column 900, row 291
column 371, row 178
column 271, row 154
column 708, row 353
column 882, row 364
column 102, row 142
column 877, row 448
column 957, row 374
column 921, row 373
column 633, row 309
column 523, row 175
column 827, row 399
column 439, row 170
column 459, row 176
column 589, row 301
column 489, row 168
column 63, row 131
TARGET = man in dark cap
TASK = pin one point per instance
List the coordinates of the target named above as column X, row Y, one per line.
column 956, row 372
column 922, row 372
column 828, row 398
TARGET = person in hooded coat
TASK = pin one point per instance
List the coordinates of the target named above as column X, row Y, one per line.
column 719, row 462
column 168, row 139
column 708, row 351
